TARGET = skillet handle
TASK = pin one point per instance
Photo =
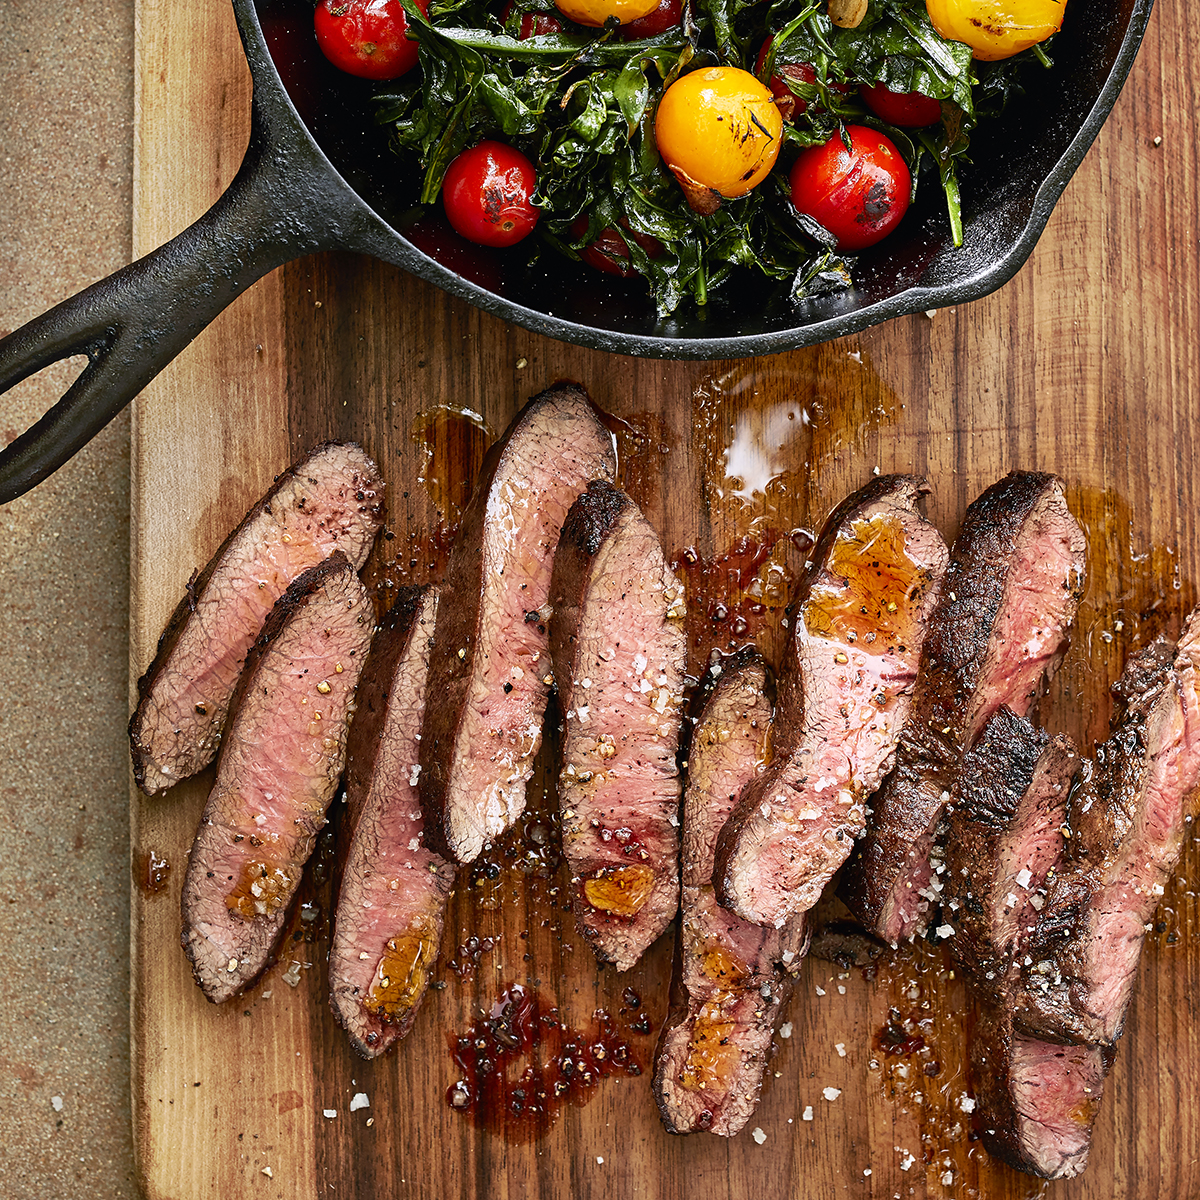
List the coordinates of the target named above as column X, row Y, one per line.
column 133, row 323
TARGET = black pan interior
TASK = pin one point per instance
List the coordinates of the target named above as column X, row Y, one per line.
column 1021, row 164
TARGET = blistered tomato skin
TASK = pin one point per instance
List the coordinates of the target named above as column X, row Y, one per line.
column 366, row 37
column 487, row 194
column 596, row 12
column 859, row 195
column 996, row 29
column 666, row 16
column 719, row 131
column 907, row 110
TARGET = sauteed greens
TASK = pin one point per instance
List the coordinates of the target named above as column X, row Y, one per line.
column 580, row 105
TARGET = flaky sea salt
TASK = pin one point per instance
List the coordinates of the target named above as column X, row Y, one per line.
column 360, row 1101
column 1023, row 877
column 329, row 1112
column 966, row 1103
column 831, row 1093
column 785, row 1030
column 758, row 1135
column 807, row 1114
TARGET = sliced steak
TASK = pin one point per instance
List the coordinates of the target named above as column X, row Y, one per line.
column 490, row 664
column 620, row 655
column 1004, row 841
column 332, row 500
column 1037, row 1100
column 731, row 978
column 858, row 620
column 392, row 899
column 1127, row 820
column 999, row 630
column 278, row 770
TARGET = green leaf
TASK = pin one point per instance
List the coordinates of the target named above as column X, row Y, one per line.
column 632, row 91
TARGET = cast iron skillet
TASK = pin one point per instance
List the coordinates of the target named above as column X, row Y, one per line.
column 318, row 176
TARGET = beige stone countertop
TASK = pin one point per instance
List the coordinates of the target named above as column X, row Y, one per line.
column 66, row 166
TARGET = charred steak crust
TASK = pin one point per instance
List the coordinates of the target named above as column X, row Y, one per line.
column 1128, row 817
column 620, row 655
column 393, row 891
column 490, row 663
column 857, row 622
column 278, row 770
column 730, row 978
column 332, row 499
column 999, row 629
column 1004, row 841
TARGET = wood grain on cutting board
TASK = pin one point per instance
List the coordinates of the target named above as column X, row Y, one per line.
column 1084, row 364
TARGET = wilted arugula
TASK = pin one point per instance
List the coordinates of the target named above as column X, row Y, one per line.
column 581, row 107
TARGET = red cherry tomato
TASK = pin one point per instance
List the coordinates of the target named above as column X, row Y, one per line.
column 366, row 37
column 533, row 24
column 666, row 16
column 610, row 251
column 909, row 110
column 487, row 194
column 859, row 195
column 789, row 104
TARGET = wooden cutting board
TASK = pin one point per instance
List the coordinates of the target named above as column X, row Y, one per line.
column 1085, row 364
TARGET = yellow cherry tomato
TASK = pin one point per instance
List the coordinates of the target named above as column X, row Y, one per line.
column 718, row 130
column 596, row 12
column 996, row 28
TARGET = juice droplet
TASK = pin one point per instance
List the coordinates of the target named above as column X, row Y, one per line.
column 564, row 1065
column 620, row 891
column 402, row 972
column 713, row 1054
column 150, row 872
column 717, row 963
column 454, row 440
column 263, row 888
column 882, row 581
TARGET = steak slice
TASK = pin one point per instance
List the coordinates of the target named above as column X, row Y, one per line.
column 331, row 500
column 1038, row 1100
column 731, row 978
column 858, row 620
column 392, row 899
column 490, row 664
column 1004, row 841
column 620, row 655
column 277, row 773
column 1128, row 820
column 1000, row 628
